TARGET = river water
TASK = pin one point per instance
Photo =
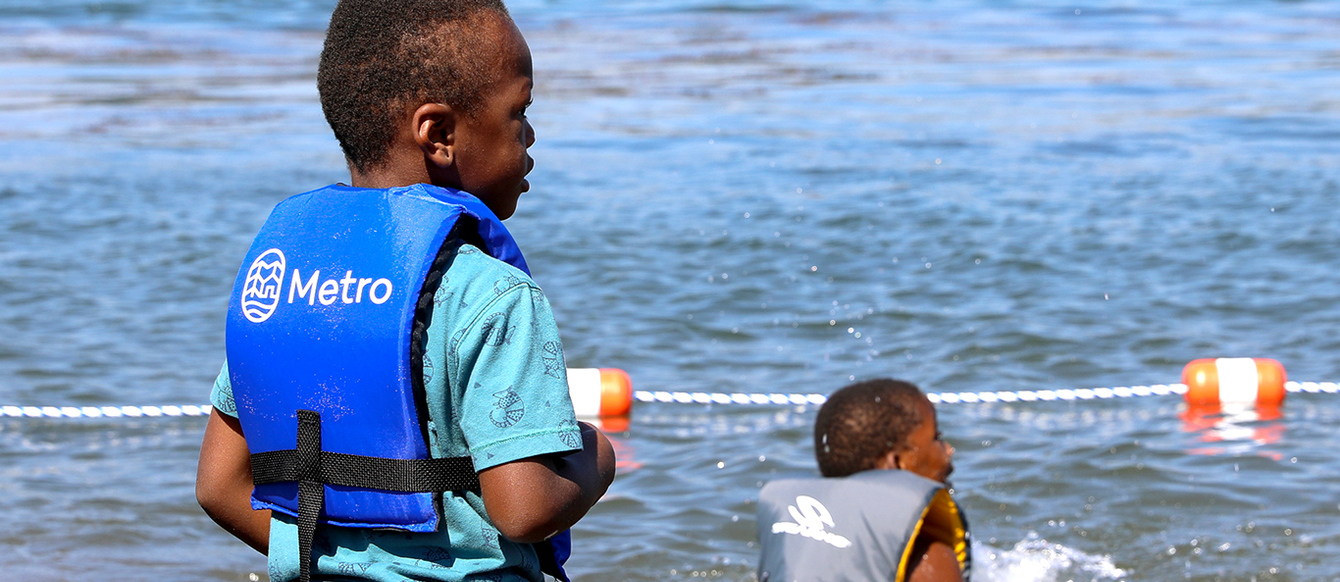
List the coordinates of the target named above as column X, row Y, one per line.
column 733, row 196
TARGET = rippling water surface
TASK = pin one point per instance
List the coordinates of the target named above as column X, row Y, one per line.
column 733, row 196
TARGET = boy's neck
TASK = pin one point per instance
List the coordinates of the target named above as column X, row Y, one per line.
column 382, row 181
column 395, row 173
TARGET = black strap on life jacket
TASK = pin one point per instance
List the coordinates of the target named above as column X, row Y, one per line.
column 313, row 469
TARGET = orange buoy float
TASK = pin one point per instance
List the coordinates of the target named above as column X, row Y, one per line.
column 600, row 392
column 1258, row 381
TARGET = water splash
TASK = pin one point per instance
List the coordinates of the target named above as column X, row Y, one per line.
column 1034, row 559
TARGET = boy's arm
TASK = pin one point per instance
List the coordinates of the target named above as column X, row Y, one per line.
column 540, row 470
column 530, row 500
column 223, row 482
column 934, row 562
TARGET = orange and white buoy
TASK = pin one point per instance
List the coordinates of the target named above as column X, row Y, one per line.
column 600, row 392
column 1258, row 381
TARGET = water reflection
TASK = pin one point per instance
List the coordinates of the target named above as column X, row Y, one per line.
column 1232, row 429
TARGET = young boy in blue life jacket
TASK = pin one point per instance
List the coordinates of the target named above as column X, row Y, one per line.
column 882, row 510
column 394, row 404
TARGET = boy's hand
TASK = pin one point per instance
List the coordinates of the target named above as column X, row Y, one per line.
column 530, row 500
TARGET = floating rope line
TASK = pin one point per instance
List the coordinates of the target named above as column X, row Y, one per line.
column 755, row 398
column 956, row 397
column 725, row 398
column 104, row 411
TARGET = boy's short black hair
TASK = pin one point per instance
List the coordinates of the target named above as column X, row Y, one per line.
column 862, row 422
column 380, row 55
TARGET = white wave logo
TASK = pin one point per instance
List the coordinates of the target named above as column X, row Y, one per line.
column 260, row 291
column 811, row 517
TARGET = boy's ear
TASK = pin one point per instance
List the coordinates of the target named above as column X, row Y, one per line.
column 890, row 460
column 435, row 133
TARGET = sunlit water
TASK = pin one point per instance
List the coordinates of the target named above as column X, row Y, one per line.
column 733, row 196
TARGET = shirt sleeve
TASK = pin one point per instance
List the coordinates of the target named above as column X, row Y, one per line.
column 509, row 360
column 221, row 397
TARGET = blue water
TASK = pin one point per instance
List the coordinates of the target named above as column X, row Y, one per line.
column 738, row 197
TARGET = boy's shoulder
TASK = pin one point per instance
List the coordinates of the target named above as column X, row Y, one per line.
column 476, row 282
column 475, row 269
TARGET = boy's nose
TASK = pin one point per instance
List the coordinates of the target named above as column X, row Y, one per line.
column 530, row 134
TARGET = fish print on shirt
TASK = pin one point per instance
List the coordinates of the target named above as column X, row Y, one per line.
column 490, row 537
column 428, row 370
column 229, row 406
column 552, row 355
column 496, row 330
column 508, row 409
column 442, row 296
column 438, row 557
column 505, row 284
column 354, row 568
column 572, row 439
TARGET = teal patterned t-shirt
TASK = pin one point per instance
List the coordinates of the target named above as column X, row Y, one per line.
column 497, row 391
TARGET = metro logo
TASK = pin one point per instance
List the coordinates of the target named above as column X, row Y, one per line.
column 260, row 290
column 331, row 290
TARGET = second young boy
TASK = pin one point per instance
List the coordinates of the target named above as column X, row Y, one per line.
column 882, row 510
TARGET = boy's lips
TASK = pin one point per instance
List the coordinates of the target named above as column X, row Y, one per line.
column 525, row 185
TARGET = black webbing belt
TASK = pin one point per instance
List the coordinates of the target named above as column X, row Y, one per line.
column 314, row 468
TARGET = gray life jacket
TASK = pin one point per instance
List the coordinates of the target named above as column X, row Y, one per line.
column 854, row 529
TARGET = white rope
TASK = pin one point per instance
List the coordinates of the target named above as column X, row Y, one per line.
column 752, row 398
column 103, row 411
column 957, row 397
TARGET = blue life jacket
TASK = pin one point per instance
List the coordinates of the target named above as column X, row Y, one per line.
column 326, row 363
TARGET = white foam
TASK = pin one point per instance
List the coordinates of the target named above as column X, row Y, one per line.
column 1037, row 560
